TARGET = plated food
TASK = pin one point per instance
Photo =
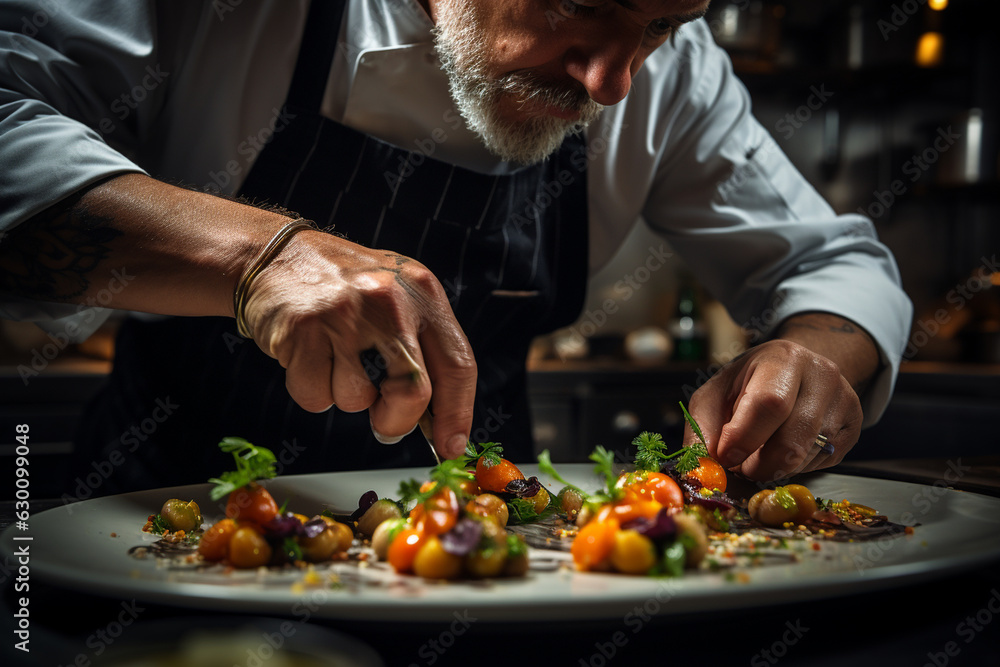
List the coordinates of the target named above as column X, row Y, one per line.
column 667, row 514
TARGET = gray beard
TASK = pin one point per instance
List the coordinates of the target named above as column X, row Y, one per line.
column 460, row 47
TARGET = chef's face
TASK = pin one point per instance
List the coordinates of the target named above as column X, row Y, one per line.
column 525, row 73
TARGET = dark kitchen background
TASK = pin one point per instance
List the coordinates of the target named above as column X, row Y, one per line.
column 889, row 108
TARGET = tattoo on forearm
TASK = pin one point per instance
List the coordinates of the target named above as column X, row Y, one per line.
column 52, row 257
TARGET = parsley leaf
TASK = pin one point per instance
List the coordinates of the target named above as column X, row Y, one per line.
column 650, row 448
column 409, row 490
column 489, row 452
column 252, row 463
column 448, row 473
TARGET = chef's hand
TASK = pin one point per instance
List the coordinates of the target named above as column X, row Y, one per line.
column 762, row 412
column 323, row 301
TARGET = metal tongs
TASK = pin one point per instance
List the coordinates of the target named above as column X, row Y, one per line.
column 425, row 422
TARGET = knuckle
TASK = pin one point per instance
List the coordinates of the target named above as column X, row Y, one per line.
column 774, row 404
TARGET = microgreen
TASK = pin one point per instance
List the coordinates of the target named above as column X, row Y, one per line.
column 545, row 467
column 160, row 525
column 521, row 510
column 650, row 448
column 489, row 452
column 605, row 468
column 785, row 498
column 252, row 463
column 448, row 473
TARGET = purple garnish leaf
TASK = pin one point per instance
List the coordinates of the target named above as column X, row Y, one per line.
column 463, row 538
column 283, row 525
column 660, row 526
column 367, row 499
column 711, row 503
column 312, row 528
column 523, row 488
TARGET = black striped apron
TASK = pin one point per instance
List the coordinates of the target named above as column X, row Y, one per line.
column 510, row 251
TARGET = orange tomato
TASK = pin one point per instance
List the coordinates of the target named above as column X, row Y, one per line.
column 214, row 544
column 251, row 503
column 710, row 473
column 404, row 548
column 495, row 478
column 438, row 514
column 626, row 510
column 652, row 486
column 594, row 543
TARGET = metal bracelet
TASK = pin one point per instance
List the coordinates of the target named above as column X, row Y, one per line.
column 269, row 252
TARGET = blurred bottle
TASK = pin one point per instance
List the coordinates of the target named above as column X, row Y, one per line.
column 687, row 328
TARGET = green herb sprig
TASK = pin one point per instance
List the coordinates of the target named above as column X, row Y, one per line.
column 521, row 510
column 650, row 449
column 449, row 473
column 252, row 463
column 160, row 525
column 605, row 468
column 489, row 452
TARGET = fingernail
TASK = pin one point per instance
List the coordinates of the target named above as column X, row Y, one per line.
column 386, row 440
column 455, row 446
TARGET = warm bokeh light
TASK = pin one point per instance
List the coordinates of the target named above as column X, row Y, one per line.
column 930, row 49
column 937, row 5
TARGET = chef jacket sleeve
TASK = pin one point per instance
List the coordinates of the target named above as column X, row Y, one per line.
column 78, row 85
column 754, row 231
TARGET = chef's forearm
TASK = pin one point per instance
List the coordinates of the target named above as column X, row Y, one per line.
column 136, row 243
column 839, row 340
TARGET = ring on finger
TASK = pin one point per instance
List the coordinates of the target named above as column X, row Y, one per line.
column 823, row 443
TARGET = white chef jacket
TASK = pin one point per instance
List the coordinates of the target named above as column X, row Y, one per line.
column 188, row 91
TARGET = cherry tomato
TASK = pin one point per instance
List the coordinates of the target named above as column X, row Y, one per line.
column 710, row 473
column 214, row 544
column 248, row 548
column 441, row 512
column 655, row 486
column 251, row 503
column 404, row 548
column 495, row 478
column 628, row 509
column 594, row 543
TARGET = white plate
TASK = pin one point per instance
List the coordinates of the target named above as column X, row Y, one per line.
column 73, row 546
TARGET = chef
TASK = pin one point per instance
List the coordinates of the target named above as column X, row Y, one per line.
column 360, row 211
